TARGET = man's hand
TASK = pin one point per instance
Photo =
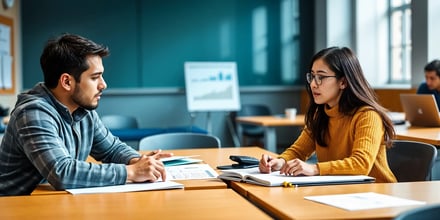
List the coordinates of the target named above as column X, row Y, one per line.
column 147, row 167
column 157, row 153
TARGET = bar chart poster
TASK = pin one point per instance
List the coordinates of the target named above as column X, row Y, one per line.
column 212, row 86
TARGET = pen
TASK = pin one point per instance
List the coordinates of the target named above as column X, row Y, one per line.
column 289, row 184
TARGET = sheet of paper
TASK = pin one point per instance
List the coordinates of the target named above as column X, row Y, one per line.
column 180, row 160
column 190, row 171
column 361, row 201
column 166, row 159
column 130, row 187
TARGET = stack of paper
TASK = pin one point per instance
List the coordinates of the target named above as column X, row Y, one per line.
column 130, row 187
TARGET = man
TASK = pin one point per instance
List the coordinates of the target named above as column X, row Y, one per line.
column 432, row 84
column 54, row 128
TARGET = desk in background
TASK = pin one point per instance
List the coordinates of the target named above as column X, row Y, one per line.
column 164, row 204
column 289, row 203
column 269, row 123
column 429, row 135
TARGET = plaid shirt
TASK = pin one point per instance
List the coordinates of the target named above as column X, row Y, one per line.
column 43, row 141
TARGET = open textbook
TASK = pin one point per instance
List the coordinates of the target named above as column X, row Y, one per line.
column 254, row 176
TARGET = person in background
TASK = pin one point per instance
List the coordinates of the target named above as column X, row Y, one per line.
column 432, row 81
column 345, row 126
column 54, row 128
column 3, row 119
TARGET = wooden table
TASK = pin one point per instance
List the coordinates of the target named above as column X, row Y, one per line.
column 215, row 157
column 164, row 204
column 220, row 156
column 289, row 203
column 269, row 123
column 211, row 156
column 429, row 135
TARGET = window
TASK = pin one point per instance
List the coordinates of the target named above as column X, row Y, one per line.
column 290, row 33
column 400, row 41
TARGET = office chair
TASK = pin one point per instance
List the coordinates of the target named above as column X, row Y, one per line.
column 178, row 140
column 119, row 122
column 411, row 161
column 251, row 131
column 427, row 212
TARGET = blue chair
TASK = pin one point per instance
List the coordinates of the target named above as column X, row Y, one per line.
column 180, row 140
column 119, row 122
column 427, row 212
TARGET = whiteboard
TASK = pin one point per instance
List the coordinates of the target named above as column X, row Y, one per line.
column 212, row 86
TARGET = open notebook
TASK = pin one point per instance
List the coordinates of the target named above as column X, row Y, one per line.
column 420, row 109
column 253, row 175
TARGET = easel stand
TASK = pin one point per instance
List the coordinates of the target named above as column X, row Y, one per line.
column 232, row 130
column 208, row 121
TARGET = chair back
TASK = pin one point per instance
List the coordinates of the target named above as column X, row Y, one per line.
column 411, row 161
column 119, row 122
column 427, row 212
column 179, row 140
column 253, row 110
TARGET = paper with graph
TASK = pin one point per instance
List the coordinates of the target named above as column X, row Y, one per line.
column 212, row 86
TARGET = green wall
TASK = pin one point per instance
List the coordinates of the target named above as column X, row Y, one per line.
column 150, row 40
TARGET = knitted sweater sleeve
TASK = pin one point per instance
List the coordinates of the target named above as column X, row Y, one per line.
column 358, row 149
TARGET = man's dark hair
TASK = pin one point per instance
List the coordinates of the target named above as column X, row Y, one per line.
column 433, row 66
column 68, row 54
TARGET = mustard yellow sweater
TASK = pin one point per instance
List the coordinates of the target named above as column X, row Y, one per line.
column 355, row 146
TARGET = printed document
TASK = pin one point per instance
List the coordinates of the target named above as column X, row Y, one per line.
column 190, row 171
column 361, row 201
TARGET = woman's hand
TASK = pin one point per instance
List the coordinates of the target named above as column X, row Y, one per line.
column 297, row 167
column 268, row 164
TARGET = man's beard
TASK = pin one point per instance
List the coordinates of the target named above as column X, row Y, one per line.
column 79, row 100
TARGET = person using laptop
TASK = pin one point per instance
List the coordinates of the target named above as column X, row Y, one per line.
column 54, row 128
column 432, row 81
column 345, row 125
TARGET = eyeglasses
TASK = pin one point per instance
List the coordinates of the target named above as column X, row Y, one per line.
column 318, row 78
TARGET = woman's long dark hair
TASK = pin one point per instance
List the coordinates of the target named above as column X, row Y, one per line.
column 358, row 93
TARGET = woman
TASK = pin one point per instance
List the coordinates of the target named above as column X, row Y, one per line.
column 345, row 126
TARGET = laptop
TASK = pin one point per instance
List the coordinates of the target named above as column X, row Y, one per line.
column 420, row 109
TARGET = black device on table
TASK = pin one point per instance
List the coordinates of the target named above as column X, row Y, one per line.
column 242, row 162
